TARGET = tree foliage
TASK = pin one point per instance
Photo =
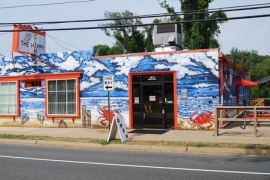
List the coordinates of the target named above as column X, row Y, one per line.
column 103, row 50
column 131, row 38
column 258, row 66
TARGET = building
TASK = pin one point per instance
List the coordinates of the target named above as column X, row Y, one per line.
column 167, row 90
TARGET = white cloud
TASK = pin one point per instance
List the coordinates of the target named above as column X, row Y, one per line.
column 84, row 84
column 126, row 63
column 202, row 85
column 93, row 66
column 120, row 85
column 69, row 65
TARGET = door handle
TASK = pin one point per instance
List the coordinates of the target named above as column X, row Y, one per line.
column 143, row 115
column 163, row 111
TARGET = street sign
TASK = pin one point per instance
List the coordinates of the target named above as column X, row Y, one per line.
column 108, row 83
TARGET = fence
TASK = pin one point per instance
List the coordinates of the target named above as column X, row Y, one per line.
column 255, row 114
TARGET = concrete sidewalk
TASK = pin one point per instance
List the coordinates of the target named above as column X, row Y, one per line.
column 232, row 135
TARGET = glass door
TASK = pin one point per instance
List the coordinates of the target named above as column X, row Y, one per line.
column 153, row 106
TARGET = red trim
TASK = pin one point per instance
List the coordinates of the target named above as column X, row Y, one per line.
column 59, row 77
column 130, row 100
column 18, row 98
column 67, row 75
column 41, row 76
column 18, row 105
column 73, row 119
column 221, row 74
column 175, row 101
column 231, row 64
column 245, row 82
column 29, row 28
column 157, row 53
column 15, row 39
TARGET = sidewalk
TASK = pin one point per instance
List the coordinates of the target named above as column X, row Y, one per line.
column 232, row 135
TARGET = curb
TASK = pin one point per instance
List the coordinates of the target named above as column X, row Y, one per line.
column 150, row 148
column 17, row 141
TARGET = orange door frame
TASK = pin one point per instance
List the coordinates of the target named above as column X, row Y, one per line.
column 174, row 94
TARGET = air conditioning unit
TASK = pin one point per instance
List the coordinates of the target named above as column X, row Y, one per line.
column 168, row 37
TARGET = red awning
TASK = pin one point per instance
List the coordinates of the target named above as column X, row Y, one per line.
column 245, row 82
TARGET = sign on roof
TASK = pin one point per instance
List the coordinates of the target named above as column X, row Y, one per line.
column 29, row 40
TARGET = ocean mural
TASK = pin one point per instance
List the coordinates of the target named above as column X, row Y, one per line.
column 197, row 84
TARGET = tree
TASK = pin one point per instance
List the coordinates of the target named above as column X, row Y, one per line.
column 245, row 59
column 258, row 66
column 198, row 35
column 201, row 34
column 101, row 50
column 116, row 49
column 130, row 37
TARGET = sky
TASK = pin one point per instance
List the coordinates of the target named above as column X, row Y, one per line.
column 245, row 34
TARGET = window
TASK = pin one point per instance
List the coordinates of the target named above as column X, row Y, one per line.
column 62, row 97
column 8, row 98
column 33, row 83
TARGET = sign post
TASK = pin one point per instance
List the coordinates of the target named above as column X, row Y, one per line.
column 108, row 85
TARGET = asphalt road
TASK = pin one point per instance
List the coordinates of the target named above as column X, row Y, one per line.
column 45, row 162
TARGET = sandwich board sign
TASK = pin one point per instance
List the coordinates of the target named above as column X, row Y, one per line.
column 108, row 83
column 118, row 124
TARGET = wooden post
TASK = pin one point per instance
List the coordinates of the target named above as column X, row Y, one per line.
column 216, row 121
column 221, row 124
column 255, row 121
column 88, row 122
column 84, row 116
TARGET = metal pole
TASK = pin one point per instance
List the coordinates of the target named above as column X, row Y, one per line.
column 109, row 109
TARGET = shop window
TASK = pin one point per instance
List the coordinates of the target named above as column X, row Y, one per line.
column 33, row 83
column 8, row 98
column 61, row 96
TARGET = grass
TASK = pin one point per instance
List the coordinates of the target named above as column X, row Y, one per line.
column 157, row 143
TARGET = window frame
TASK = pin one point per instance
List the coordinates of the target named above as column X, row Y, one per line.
column 77, row 95
column 45, row 77
column 17, row 111
column 26, row 83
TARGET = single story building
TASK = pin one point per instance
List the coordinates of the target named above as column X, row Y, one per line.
column 161, row 90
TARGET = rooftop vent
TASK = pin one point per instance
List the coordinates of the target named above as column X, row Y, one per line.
column 167, row 37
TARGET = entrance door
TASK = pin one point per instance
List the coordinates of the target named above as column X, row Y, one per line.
column 153, row 106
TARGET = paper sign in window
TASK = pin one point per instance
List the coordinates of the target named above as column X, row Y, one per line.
column 152, row 98
column 136, row 100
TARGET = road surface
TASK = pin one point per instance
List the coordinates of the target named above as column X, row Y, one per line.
column 47, row 162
